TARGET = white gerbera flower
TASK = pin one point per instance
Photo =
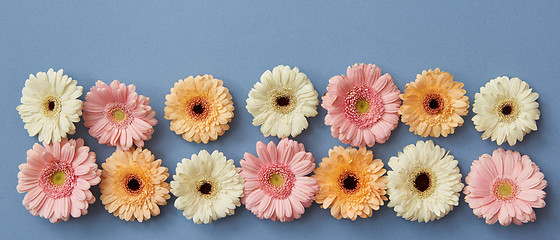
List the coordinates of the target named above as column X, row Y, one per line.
column 282, row 101
column 424, row 182
column 208, row 187
column 506, row 109
column 50, row 105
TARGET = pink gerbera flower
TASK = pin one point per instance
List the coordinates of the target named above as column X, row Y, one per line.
column 362, row 108
column 505, row 187
column 117, row 116
column 57, row 178
column 276, row 186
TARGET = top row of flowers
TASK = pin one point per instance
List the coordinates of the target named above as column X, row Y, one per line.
column 363, row 107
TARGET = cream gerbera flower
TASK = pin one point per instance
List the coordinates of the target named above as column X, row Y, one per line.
column 50, row 105
column 199, row 108
column 281, row 102
column 351, row 183
column 208, row 187
column 424, row 182
column 133, row 184
column 506, row 109
column 434, row 104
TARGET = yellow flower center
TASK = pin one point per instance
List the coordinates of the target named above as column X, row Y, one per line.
column 58, row 178
column 119, row 115
column 362, row 106
column 505, row 190
column 276, row 180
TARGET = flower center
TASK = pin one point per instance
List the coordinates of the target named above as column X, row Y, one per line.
column 205, row 188
column 505, row 189
column 422, row 182
column 276, row 179
column 283, row 101
column 433, row 103
column 51, row 106
column 198, row 108
column 58, row 178
column 133, row 184
column 507, row 111
column 349, row 183
column 119, row 115
column 362, row 106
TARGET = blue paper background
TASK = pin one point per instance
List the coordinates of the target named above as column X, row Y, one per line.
column 153, row 45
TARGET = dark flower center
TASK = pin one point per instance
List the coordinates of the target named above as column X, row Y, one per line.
column 350, row 182
column 434, row 104
column 51, row 105
column 507, row 110
column 205, row 188
column 133, row 184
column 422, row 182
column 283, row 101
column 198, row 109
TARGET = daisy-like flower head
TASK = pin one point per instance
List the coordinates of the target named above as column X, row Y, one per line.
column 505, row 187
column 282, row 101
column 133, row 184
column 57, row 178
column 434, row 104
column 50, row 105
column 208, row 187
column 424, row 182
column 276, row 185
column 117, row 116
column 351, row 183
column 199, row 108
column 506, row 109
column 362, row 108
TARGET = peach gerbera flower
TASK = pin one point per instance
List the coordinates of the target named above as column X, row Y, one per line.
column 434, row 104
column 57, row 179
column 199, row 108
column 505, row 187
column 351, row 183
column 133, row 184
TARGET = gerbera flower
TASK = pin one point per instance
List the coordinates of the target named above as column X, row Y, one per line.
column 434, row 104
column 276, row 186
column 424, row 182
column 199, row 108
column 57, row 178
column 505, row 187
column 133, row 184
column 50, row 105
column 362, row 108
column 208, row 187
column 117, row 116
column 351, row 183
column 282, row 101
column 506, row 109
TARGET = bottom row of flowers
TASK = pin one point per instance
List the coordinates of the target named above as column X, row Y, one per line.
column 423, row 184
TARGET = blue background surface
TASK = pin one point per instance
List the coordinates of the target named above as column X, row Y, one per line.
column 154, row 45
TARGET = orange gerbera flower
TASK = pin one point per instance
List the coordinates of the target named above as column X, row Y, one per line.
column 133, row 184
column 434, row 104
column 351, row 183
column 199, row 108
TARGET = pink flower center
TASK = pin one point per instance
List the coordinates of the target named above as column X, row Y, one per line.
column 277, row 180
column 57, row 180
column 119, row 115
column 363, row 106
column 505, row 189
